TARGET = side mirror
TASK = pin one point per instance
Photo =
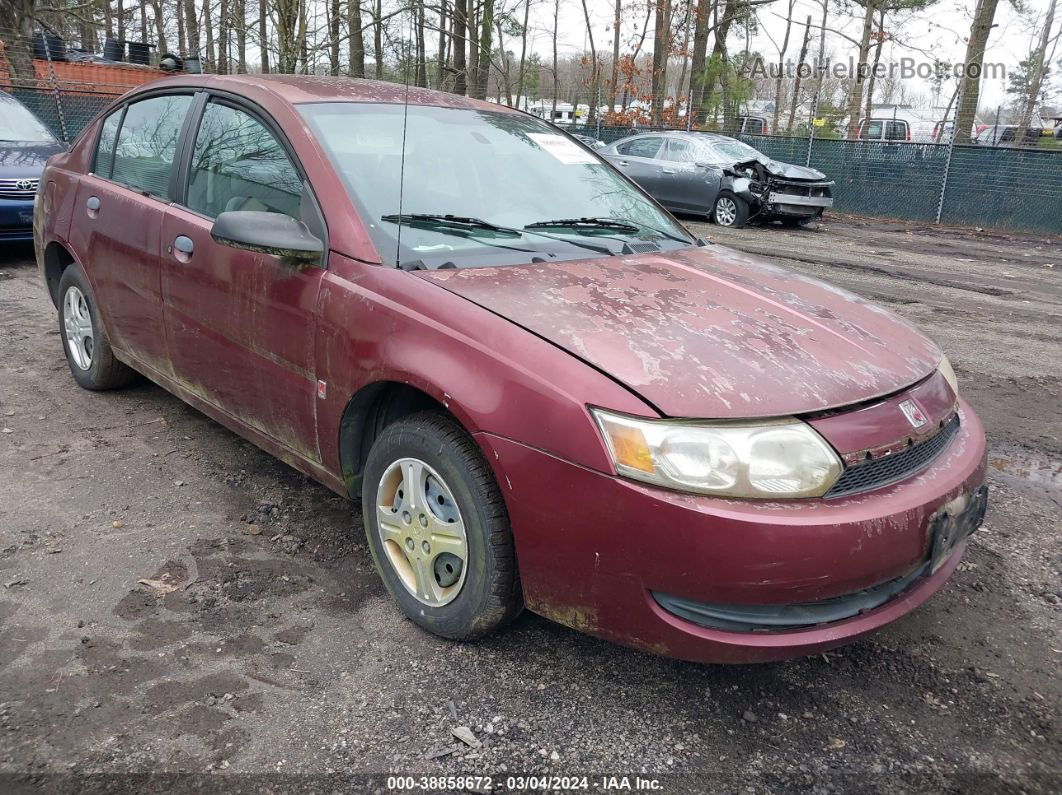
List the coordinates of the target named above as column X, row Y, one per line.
column 268, row 233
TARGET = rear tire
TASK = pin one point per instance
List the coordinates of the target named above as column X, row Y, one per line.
column 730, row 210
column 88, row 351
column 446, row 550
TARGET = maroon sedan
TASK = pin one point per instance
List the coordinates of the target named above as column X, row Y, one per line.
column 544, row 391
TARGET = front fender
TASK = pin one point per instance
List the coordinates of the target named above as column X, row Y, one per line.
column 377, row 324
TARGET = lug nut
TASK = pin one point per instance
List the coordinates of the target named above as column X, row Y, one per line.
column 426, row 547
column 409, row 544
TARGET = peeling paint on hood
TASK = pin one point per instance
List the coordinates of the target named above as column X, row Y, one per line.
column 708, row 332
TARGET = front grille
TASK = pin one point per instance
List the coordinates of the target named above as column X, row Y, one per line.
column 18, row 188
column 896, row 467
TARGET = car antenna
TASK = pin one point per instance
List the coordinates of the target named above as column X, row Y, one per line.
column 402, row 161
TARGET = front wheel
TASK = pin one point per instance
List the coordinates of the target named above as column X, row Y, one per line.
column 88, row 352
column 438, row 529
column 730, row 210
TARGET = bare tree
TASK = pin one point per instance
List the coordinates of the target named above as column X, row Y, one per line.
column 1036, row 73
column 970, row 83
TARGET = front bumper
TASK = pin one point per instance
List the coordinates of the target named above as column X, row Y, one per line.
column 16, row 220
column 593, row 549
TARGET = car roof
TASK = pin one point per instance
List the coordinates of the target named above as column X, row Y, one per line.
column 297, row 89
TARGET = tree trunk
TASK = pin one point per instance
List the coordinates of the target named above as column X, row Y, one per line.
column 613, row 85
column 223, row 37
column 523, row 54
column 873, row 78
column 105, row 8
column 357, row 40
column 191, row 27
column 556, row 78
column 377, row 39
column 473, row 49
column 420, row 77
column 1036, row 75
column 240, row 12
column 182, row 42
column 440, row 75
column 970, row 86
column 120, row 14
column 485, row 46
column 855, row 92
column 160, row 28
column 701, row 15
column 796, row 81
column 334, row 17
column 460, row 28
column 594, row 68
column 208, row 29
column 661, row 48
column 19, row 48
column 781, row 68
column 263, row 35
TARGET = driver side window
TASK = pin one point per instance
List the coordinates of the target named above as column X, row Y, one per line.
column 237, row 164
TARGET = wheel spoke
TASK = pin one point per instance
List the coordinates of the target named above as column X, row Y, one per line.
column 427, row 587
column 390, row 525
column 445, row 539
column 414, row 476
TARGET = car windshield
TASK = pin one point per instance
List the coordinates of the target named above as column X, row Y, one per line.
column 507, row 180
column 18, row 124
column 730, row 150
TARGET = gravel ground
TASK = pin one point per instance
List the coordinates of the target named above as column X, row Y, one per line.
column 271, row 647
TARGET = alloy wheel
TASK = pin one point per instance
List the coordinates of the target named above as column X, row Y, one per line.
column 422, row 531
column 725, row 211
column 77, row 322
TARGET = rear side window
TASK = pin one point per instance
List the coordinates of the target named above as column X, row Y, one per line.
column 871, row 130
column 640, row 147
column 896, row 131
column 147, row 143
column 237, row 164
column 105, row 147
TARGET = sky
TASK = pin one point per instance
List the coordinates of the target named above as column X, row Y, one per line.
column 939, row 30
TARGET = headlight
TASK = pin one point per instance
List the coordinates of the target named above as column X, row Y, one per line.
column 772, row 459
column 949, row 375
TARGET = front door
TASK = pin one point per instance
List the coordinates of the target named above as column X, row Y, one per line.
column 241, row 323
column 124, row 198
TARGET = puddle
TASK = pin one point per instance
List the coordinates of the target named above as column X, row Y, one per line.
column 1027, row 466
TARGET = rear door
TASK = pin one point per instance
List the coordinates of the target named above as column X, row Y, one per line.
column 118, row 220
column 684, row 185
column 241, row 323
column 637, row 158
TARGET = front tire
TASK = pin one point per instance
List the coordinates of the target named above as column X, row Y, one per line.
column 438, row 529
column 88, row 351
column 730, row 210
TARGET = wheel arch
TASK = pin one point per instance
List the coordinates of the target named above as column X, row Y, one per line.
column 57, row 258
column 371, row 409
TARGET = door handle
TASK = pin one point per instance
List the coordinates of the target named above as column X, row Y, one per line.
column 624, row 163
column 669, row 171
column 182, row 248
column 92, row 206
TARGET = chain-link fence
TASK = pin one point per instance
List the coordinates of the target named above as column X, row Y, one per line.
column 970, row 185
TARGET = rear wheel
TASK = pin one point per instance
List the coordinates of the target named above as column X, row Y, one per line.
column 438, row 529
column 88, row 352
column 730, row 210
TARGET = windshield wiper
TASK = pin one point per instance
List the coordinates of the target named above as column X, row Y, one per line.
column 619, row 224
column 449, row 221
column 469, row 224
column 584, row 223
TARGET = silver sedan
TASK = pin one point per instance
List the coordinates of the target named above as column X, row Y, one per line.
column 721, row 177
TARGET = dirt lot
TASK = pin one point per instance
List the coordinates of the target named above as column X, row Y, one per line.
column 280, row 653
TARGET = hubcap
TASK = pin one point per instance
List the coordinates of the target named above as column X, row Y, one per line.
column 422, row 531
column 78, row 325
column 725, row 211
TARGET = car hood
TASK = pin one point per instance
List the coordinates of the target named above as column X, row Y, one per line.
column 25, row 159
column 708, row 332
column 784, row 170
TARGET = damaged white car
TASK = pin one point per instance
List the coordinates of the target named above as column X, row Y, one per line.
column 721, row 177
